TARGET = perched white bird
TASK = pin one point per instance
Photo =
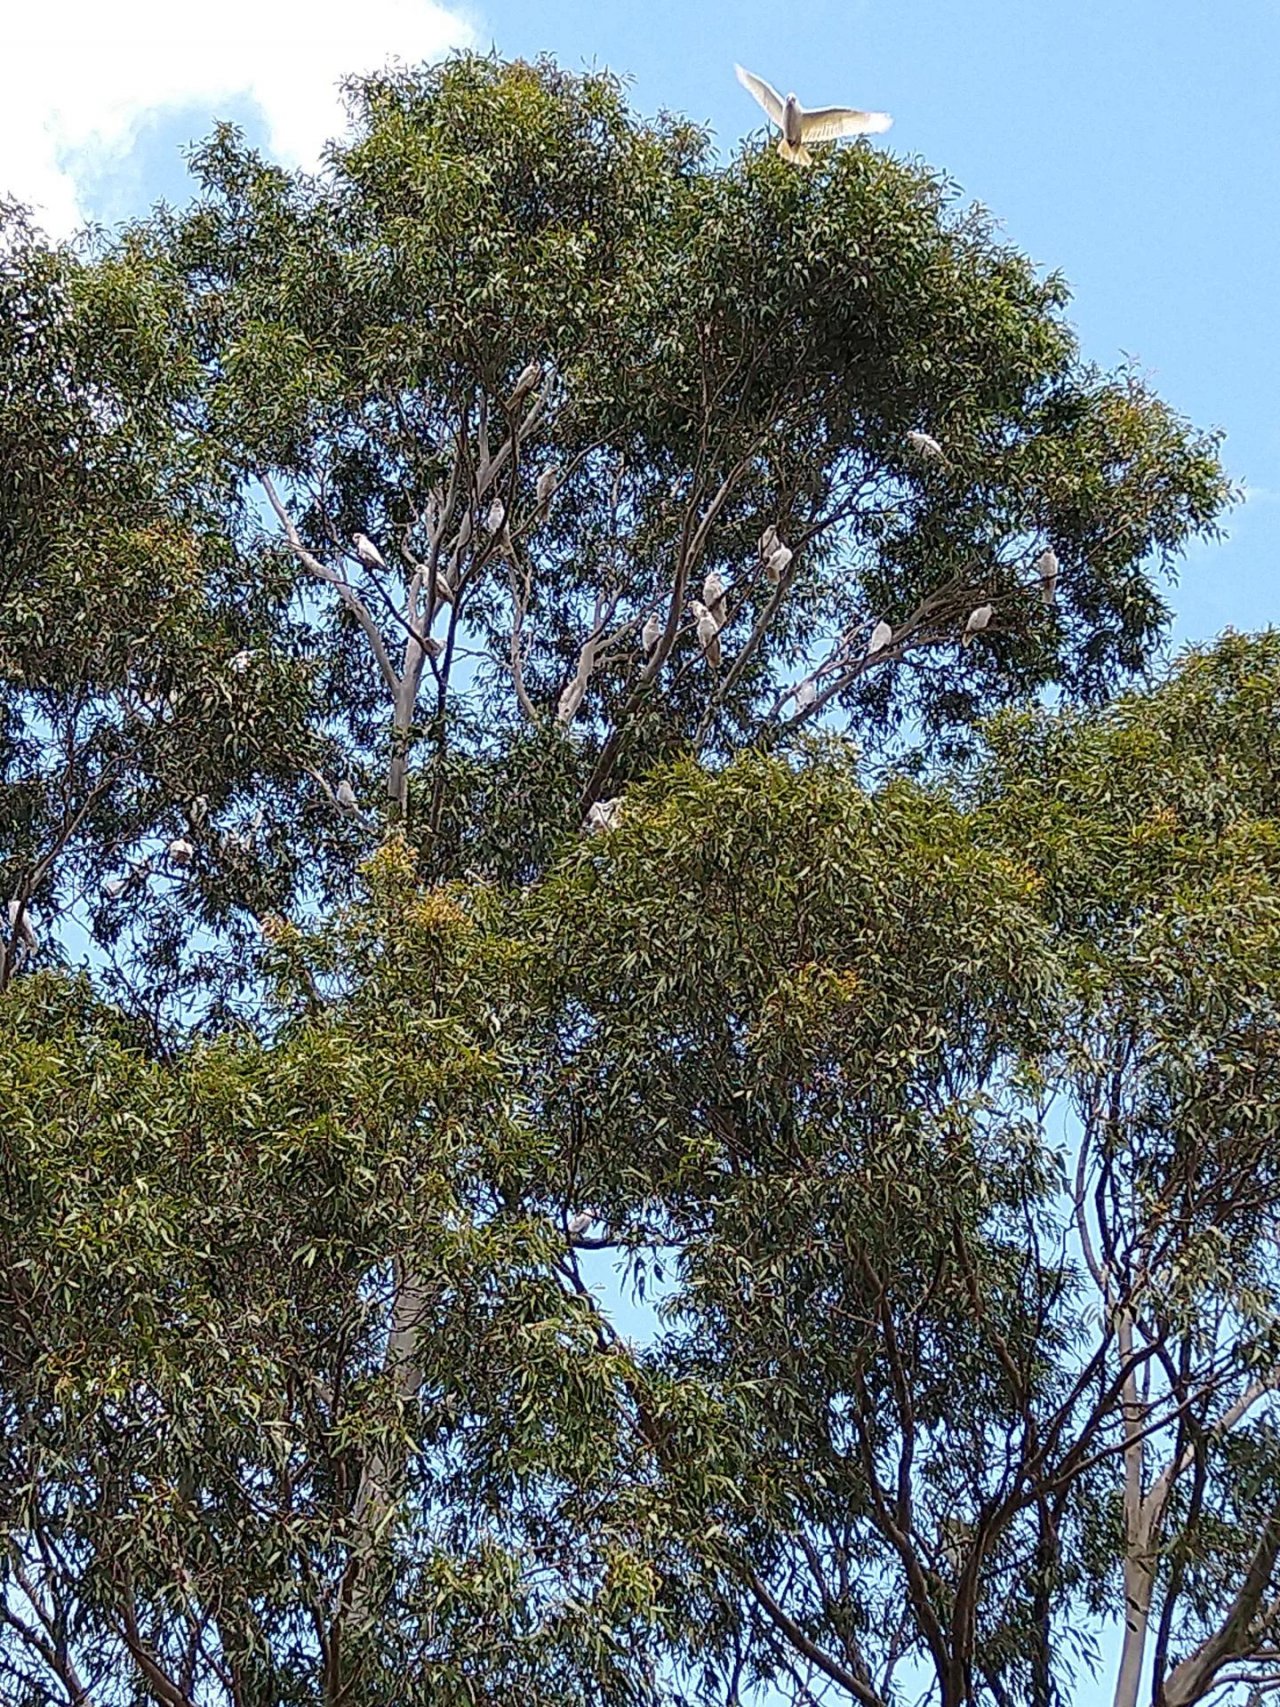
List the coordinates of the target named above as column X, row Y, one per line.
column 18, row 917
column 368, row 552
column 881, row 635
column 708, row 630
column 602, row 814
column 548, row 480
column 926, row 444
column 780, row 562
column 497, row 514
column 242, row 660
column 445, row 592
column 651, row 633
column 978, row 620
column 578, row 1224
column 181, row 851
column 806, row 695
column 1047, row 570
column 198, row 811
column 345, row 795
column 818, row 124
column 570, row 699
column 713, row 598
column 530, row 374
column 956, row 1537
column 769, row 543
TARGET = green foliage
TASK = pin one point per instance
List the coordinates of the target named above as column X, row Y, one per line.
column 935, row 1119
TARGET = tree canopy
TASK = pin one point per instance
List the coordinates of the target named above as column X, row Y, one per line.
column 447, row 702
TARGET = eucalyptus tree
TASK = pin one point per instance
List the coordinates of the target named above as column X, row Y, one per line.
column 506, row 294
column 376, row 532
column 941, row 1381
column 955, row 1133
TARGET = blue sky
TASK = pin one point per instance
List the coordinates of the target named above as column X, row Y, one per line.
column 1132, row 147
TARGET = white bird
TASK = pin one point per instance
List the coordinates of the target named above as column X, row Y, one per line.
column 651, row 633
column 713, row 598
column 445, row 594
column 708, row 630
column 530, row 374
column 578, row 1224
column 769, row 543
column 926, row 444
column 368, row 552
column 242, row 660
column 806, row 695
column 818, row 124
column 1047, row 570
column 978, row 620
column 548, row 480
column 18, row 917
column 570, row 699
column 497, row 514
column 181, row 851
column 113, row 888
column 198, row 811
column 881, row 635
column 345, row 795
column 602, row 814
column 780, row 562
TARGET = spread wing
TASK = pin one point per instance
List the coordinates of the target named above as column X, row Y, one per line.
column 765, row 93
column 825, row 124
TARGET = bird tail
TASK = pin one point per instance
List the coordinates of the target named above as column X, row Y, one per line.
column 713, row 653
column 795, row 152
column 967, row 639
column 1047, row 594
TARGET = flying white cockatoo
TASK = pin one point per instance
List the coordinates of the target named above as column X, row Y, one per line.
column 708, row 630
column 180, row 850
column 651, row 633
column 978, row 620
column 713, row 598
column 1047, row 570
column 368, row 552
column 881, row 635
column 817, row 124
column 780, row 562
column 602, row 814
column 345, row 795
column 926, row 444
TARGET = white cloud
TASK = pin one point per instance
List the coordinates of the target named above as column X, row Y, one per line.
column 82, row 78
